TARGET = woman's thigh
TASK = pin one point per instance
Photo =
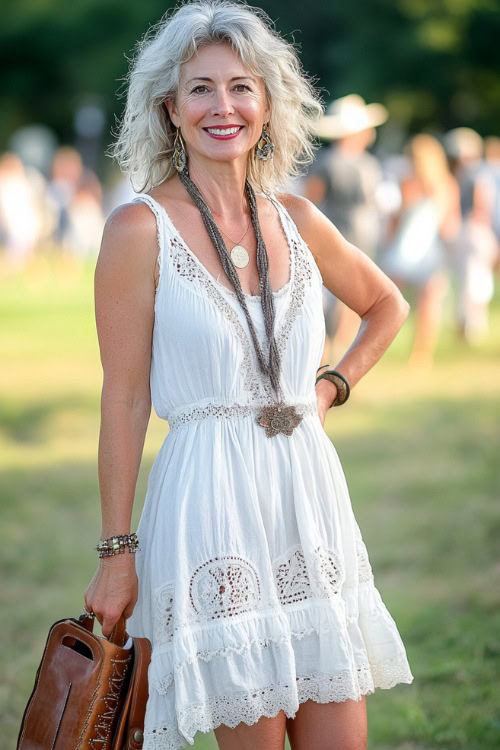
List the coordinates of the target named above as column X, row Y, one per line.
column 329, row 726
column 266, row 733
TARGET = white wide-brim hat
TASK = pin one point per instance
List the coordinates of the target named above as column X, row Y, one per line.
column 350, row 114
column 463, row 143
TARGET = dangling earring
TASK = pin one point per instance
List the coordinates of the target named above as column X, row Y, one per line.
column 179, row 157
column 264, row 149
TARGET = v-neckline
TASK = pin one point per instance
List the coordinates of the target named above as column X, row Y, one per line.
column 228, row 304
column 219, row 285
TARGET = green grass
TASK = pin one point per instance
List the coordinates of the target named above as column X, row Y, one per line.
column 420, row 453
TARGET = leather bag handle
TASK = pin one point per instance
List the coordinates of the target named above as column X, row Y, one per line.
column 118, row 635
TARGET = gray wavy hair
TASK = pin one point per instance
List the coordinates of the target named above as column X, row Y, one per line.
column 144, row 142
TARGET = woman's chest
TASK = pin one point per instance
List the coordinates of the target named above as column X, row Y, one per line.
column 272, row 253
column 193, row 310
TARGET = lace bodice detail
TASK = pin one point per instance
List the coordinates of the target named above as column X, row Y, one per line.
column 179, row 266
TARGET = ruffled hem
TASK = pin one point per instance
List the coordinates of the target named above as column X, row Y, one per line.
column 249, row 707
column 257, row 666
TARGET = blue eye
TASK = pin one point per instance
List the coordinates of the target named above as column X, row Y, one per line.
column 197, row 88
column 242, row 85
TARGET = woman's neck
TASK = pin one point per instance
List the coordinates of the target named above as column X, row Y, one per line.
column 222, row 186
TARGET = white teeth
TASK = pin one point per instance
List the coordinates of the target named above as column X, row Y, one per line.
column 223, row 131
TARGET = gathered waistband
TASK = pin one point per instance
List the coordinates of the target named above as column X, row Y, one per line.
column 186, row 416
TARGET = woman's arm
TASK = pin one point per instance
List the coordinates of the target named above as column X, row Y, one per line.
column 124, row 308
column 358, row 282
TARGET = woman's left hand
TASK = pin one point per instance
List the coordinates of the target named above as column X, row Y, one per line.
column 326, row 393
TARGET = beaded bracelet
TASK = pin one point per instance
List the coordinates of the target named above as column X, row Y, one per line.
column 117, row 544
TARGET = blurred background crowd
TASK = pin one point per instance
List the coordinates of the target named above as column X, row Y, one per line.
column 428, row 214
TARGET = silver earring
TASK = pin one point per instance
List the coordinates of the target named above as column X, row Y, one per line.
column 264, row 149
column 179, row 157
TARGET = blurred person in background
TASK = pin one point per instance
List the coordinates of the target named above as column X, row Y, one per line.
column 492, row 156
column 86, row 218
column 21, row 219
column 67, row 170
column 477, row 244
column 76, row 199
column 343, row 182
column 420, row 237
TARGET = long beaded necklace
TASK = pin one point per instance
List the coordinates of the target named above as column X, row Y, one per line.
column 279, row 417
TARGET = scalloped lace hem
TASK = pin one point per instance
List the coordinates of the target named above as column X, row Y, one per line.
column 249, row 707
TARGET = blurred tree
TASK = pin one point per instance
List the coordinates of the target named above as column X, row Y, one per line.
column 52, row 53
column 434, row 63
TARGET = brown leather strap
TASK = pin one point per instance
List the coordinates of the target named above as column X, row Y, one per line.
column 130, row 727
column 142, row 648
column 118, row 635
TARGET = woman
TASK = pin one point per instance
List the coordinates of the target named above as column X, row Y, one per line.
column 252, row 580
column 428, row 220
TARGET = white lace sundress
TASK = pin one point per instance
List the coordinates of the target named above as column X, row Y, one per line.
column 255, row 586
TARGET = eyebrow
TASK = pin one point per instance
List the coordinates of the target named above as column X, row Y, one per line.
column 210, row 80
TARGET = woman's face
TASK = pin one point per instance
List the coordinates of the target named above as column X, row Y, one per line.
column 220, row 105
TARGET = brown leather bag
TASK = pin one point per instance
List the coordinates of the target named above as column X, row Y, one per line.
column 90, row 692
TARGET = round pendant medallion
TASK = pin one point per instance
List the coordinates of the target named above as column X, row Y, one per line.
column 239, row 256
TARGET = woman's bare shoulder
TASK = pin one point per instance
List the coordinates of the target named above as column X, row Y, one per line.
column 129, row 226
column 129, row 217
column 302, row 211
column 296, row 204
column 129, row 242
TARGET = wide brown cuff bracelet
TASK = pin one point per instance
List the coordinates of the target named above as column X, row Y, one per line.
column 343, row 388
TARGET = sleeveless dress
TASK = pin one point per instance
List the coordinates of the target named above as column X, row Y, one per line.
column 255, row 587
column 416, row 253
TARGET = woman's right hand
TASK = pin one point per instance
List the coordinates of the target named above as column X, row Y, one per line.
column 113, row 590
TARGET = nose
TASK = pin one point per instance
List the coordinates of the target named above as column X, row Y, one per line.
column 222, row 104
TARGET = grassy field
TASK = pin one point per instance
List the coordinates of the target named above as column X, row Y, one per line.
column 421, row 455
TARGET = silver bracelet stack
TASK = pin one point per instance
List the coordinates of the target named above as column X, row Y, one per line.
column 115, row 545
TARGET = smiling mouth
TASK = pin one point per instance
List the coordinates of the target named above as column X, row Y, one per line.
column 228, row 131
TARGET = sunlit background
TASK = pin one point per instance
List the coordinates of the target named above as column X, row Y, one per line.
column 419, row 439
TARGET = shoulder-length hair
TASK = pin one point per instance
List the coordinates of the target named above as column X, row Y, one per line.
column 145, row 138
